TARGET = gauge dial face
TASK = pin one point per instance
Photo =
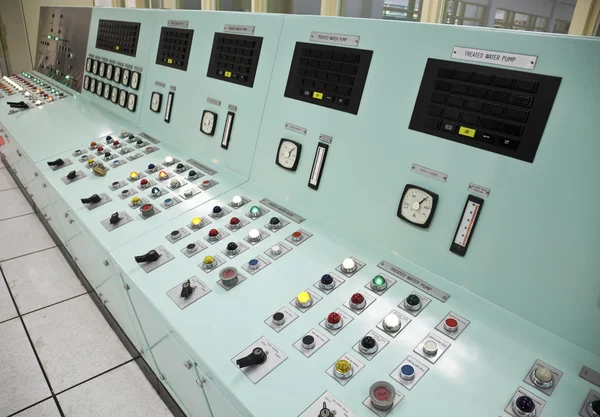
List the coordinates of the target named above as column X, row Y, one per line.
column 288, row 154
column 99, row 87
column 117, row 75
column 93, row 85
column 135, row 80
column 88, row 65
column 102, row 69
column 106, row 93
column 131, row 102
column 125, row 77
column 109, row 71
column 417, row 206
column 95, row 67
column 155, row 101
column 122, row 98
column 114, row 94
column 86, row 82
column 209, row 121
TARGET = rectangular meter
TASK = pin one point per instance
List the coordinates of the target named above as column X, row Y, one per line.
column 466, row 226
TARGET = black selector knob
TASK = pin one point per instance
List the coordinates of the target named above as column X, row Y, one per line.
column 593, row 408
column 56, row 163
column 149, row 257
column 256, row 357
column 91, row 200
column 186, row 289
column 325, row 412
column 114, row 218
column 71, row 175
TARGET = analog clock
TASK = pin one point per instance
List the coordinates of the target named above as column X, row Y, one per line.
column 114, row 94
column 131, row 102
column 209, row 123
column 125, row 77
column 155, row 101
column 95, row 67
column 135, row 80
column 109, row 71
column 417, row 206
column 102, row 69
column 88, row 65
column 117, row 75
column 122, row 98
column 288, row 154
column 106, row 92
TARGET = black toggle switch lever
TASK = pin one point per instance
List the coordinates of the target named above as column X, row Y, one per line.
column 56, row 163
column 114, row 218
column 19, row 105
column 186, row 289
column 71, row 175
column 325, row 412
column 91, row 200
column 149, row 257
column 257, row 357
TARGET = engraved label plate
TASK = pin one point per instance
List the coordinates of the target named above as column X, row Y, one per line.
column 462, row 325
column 506, row 59
column 334, row 38
column 165, row 256
column 420, row 371
column 232, row 108
column 182, row 24
column 539, row 403
column 368, row 298
column 356, row 367
column 382, row 342
column 404, row 321
column 442, row 344
column 294, row 128
column 159, row 84
column 332, row 404
column 346, row 320
column 590, row 375
column 213, row 101
column 125, row 218
column 320, row 340
column 428, row 172
column 200, row 290
column 289, row 315
column 282, row 210
column 326, row 138
column 275, row 357
column 244, row 30
column 479, row 190
column 336, row 279
column 201, row 166
column 414, row 281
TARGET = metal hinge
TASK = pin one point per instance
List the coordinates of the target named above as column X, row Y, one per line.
column 201, row 382
column 105, row 262
column 187, row 364
column 126, row 287
column 161, row 377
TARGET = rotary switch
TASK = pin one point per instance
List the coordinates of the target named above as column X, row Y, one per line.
column 71, row 175
column 524, row 406
column 368, row 345
column 151, row 256
column 95, row 198
column 56, row 163
column 114, row 218
column 186, row 289
column 256, row 357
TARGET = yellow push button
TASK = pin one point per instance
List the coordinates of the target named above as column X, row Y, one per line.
column 228, row 74
column 170, row 61
column 117, row 47
column 318, row 95
column 465, row 131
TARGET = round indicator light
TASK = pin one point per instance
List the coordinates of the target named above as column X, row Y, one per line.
column 308, row 342
column 100, row 149
column 196, row 222
column 175, row 183
column 412, row 302
column 136, row 200
column 253, row 263
column 147, row 210
column 188, row 193
column 116, row 143
column 334, row 321
column 451, row 324
column 180, row 167
column 93, row 145
column 109, row 139
column 90, row 161
column 116, row 162
column 232, row 248
column 378, row 283
column 229, row 276
column 304, row 300
column 139, row 143
column 234, row 222
column 213, row 234
column 192, row 175
column 206, row 183
column 327, row 282
column 382, row 395
column 168, row 202
column 77, row 152
column 144, row 183
column 368, row 345
column 348, row 266
column 162, row 175
column 209, row 262
column 276, row 250
column 278, row 318
column 217, row 211
column 156, row 192
column 430, row 347
column 297, row 236
column 275, row 223
column 116, row 184
column 391, row 323
column 254, row 235
column 342, row 369
column 149, row 148
column 168, row 160
column 151, row 167
column 134, row 175
column 254, row 211
column 407, row 372
column 357, row 301
column 542, row 377
column 236, row 201
column 524, row 406
column 191, row 248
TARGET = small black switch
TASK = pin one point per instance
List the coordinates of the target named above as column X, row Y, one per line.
column 485, row 137
column 325, row 412
column 151, row 256
column 256, row 357
column 520, row 100
column 452, row 114
column 114, row 218
column 507, row 143
column 448, row 127
column 186, row 289
column 470, row 119
column 71, row 175
column 526, row 85
column 91, row 200
column 56, row 163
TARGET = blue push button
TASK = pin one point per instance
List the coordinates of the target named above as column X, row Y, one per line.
column 253, row 263
column 407, row 372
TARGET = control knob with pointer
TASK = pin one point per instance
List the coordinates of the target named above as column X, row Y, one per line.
column 151, row 256
column 256, row 357
column 92, row 199
column 114, row 218
column 71, row 175
column 56, row 163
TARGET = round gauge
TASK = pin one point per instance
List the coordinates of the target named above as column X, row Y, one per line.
column 125, row 77
column 417, row 206
column 288, row 154
column 117, row 75
column 86, row 82
column 106, row 93
column 102, row 69
column 135, row 80
column 114, row 94
column 209, row 121
column 122, row 98
column 95, row 67
column 88, row 65
column 131, row 102
column 109, row 71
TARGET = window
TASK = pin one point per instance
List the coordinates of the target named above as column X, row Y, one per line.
column 510, row 19
column 410, row 11
column 464, row 13
column 561, row 26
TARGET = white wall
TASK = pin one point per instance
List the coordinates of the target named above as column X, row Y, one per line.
column 18, row 58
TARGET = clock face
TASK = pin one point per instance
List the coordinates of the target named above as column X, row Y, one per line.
column 106, row 93
column 114, row 94
column 209, row 122
column 95, row 67
column 155, row 101
column 99, row 87
column 117, row 75
column 131, row 102
column 288, row 154
column 102, row 69
column 122, row 98
column 417, row 206
column 109, row 71
column 88, row 65
column 135, row 80
column 93, row 85
column 86, row 82
column 125, row 77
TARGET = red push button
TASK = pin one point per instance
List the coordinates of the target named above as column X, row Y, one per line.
column 451, row 324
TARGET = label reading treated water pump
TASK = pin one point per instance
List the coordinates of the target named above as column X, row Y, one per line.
column 494, row 57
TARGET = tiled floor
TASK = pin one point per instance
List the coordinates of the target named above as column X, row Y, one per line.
column 58, row 356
